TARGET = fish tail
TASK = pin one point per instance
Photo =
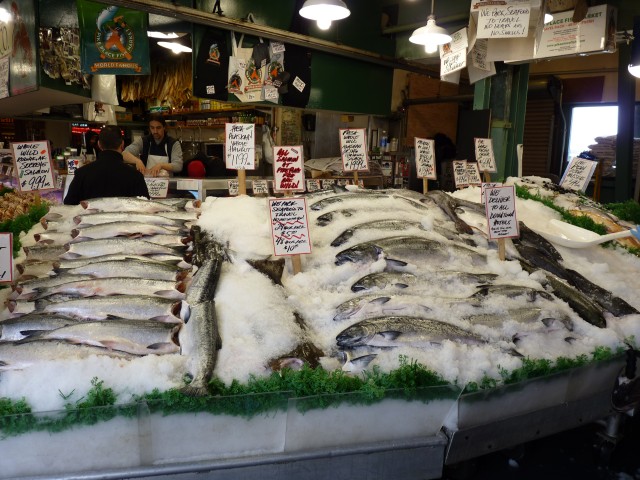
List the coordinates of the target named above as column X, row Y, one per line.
column 194, row 391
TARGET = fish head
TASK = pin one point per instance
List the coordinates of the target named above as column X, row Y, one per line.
column 354, row 336
column 363, row 253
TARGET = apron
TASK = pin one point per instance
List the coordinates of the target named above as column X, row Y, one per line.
column 153, row 160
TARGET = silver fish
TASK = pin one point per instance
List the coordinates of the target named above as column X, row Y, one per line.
column 103, row 287
column 18, row 328
column 137, row 337
column 326, row 218
column 91, row 219
column 377, row 305
column 129, row 268
column 205, row 281
column 186, row 216
column 383, row 224
column 402, row 280
column 115, row 229
column 132, row 307
column 400, row 251
column 325, row 202
column 14, row 356
column 202, row 349
column 28, row 287
column 526, row 315
column 34, row 269
column 393, row 331
column 44, row 252
column 106, row 246
column 512, row 291
column 125, row 204
column 169, row 240
column 51, row 238
column 64, row 264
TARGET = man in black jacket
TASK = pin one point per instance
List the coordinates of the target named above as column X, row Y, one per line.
column 108, row 176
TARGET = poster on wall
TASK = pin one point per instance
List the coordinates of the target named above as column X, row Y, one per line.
column 114, row 39
column 23, row 61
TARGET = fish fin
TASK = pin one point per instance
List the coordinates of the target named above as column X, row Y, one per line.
column 401, row 285
column 390, row 334
column 41, row 303
column 157, row 346
column 548, row 322
column 32, row 333
column 396, row 263
column 570, row 340
column 364, row 360
column 113, row 317
column 380, row 300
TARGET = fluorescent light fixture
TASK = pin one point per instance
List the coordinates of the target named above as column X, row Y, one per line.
column 163, row 35
column 634, row 60
column 5, row 15
column 175, row 47
column 324, row 11
column 430, row 35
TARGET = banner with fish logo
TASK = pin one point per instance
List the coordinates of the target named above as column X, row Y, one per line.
column 113, row 39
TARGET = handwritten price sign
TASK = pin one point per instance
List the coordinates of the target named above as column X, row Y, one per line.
column 240, row 150
column 313, row 186
column 158, row 187
column 425, row 158
column 353, row 148
column 484, row 155
column 500, row 208
column 289, row 226
column 6, row 258
column 33, row 165
column 578, row 174
column 460, row 173
column 260, row 187
column 288, row 170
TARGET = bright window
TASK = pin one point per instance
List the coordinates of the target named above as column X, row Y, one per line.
column 587, row 123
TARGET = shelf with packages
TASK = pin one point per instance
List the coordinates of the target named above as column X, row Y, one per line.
column 395, row 165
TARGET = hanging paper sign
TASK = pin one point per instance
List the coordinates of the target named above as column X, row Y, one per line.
column 114, row 39
column 452, row 62
column 486, row 185
column 460, row 176
column 6, row 258
column 353, row 148
column 260, row 187
column 158, row 187
column 500, row 209
column 504, row 21
column 32, row 162
column 328, row 183
column 299, row 84
column 473, row 174
column 484, row 155
column 4, row 76
column 313, row 185
column 288, row 169
column 240, row 150
column 425, row 158
column 23, row 71
column 479, row 55
column 234, row 187
column 578, row 174
column 289, row 226
column 562, row 36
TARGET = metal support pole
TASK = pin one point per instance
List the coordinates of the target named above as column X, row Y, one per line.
column 624, row 144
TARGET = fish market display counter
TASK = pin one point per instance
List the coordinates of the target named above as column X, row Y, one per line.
column 398, row 438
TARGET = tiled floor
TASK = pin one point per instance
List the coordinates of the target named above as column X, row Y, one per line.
column 579, row 454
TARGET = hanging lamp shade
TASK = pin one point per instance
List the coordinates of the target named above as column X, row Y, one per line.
column 324, row 11
column 430, row 35
column 634, row 60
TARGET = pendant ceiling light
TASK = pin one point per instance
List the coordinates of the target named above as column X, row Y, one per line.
column 175, row 47
column 431, row 35
column 634, row 61
column 324, row 11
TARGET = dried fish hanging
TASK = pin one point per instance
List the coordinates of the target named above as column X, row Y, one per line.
column 169, row 84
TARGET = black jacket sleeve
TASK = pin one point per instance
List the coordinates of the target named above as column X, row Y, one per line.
column 141, row 187
column 73, row 196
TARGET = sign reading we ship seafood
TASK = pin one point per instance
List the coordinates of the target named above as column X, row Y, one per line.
column 240, row 150
column 289, row 226
column 33, row 164
column 6, row 258
column 288, row 171
column 425, row 158
column 353, row 148
column 500, row 209
column 504, row 21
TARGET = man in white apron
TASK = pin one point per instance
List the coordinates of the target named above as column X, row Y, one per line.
column 156, row 151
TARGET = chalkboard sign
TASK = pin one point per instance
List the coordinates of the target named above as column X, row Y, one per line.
column 289, row 226
column 32, row 161
column 288, row 169
column 353, row 148
column 240, row 150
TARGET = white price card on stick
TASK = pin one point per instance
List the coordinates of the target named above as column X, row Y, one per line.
column 288, row 169
column 484, row 155
column 32, row 161
column 158, row 187
column 313, row 185
column 425, row 158
column 578, row 174
column 460, row 173
column 353, row 149
column 486, row 185
column 234, row 187
column 473, row 174
column 500, row 209
column 6, row 257
column 260, row 187
column 289, row 226
column 240, row 149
